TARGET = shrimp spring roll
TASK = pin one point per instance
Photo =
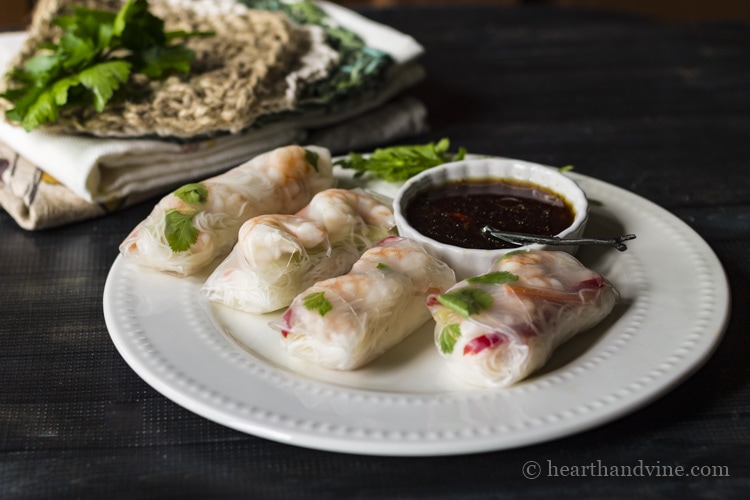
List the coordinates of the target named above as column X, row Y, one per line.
column 198, row 222
column 347, row 321
column 496, row 329
column 278, row 256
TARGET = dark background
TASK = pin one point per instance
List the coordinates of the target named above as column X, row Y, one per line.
column 661, row 109
column 16, row 13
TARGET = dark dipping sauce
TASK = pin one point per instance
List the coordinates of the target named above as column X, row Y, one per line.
column 454, row 213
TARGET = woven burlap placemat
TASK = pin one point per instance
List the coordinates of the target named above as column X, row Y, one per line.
column 254, row 65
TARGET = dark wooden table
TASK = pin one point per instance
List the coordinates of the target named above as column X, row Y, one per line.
column 658, row 109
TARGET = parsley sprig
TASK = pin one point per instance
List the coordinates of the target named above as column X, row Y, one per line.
column 94, row 57
column 398, row 163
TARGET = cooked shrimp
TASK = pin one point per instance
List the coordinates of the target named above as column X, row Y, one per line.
column 344, row 211
column 531, row 269
column 286, row 166
column 407, row 259
column 266, row 238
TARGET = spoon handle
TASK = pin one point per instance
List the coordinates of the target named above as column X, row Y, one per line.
column 523, row 238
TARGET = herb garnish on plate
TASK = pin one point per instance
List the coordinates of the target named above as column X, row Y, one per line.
column 398, row 163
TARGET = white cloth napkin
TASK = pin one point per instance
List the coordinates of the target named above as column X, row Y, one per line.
column 37, row 200
column 100, row 170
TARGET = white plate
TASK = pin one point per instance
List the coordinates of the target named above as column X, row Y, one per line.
column 228, row 366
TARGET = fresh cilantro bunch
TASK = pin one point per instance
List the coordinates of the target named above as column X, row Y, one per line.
column 96, row 54
column 399, row 163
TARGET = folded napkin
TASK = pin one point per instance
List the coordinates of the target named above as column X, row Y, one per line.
column 49, row 179
column 37, row 200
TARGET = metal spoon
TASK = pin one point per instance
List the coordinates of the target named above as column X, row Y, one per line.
column 523, row 238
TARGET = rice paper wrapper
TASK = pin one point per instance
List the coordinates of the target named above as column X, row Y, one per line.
column 344, row 323
column 278, row 256
column 280, row 181
column 496, row 329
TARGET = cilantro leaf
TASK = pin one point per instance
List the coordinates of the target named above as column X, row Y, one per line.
column 192, row 194
column 179, row 230
column 25, row 101
column 511, row 253
column 38, row 112
column 103, row 79
column 61, row 88
column 39, row 66
column 466, row 301
column 137, row 28
column 317, row 302
column 158, row 61
column 493, row 278
column 312, row 158
column 448, row 337
column 85, row 22
column 77, row 50
column 398, row 163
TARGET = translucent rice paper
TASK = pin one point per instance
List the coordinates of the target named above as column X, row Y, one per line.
column 279, row 181
column 347, row 321
column 497, row 329
column 279, row 256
